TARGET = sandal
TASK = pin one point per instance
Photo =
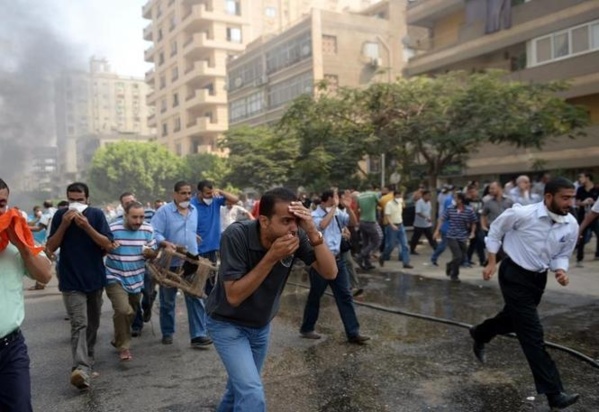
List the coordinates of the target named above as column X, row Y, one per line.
column 125, row 355
column 37, row 286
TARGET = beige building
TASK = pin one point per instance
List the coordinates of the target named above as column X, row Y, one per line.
column 345, row 49
column 98, row 101
column 192, row 42
column 533, row 40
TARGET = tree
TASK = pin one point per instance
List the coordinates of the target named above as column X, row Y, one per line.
column 147, row 169
column 332, row 138
column 206, row 166
column 259, row 157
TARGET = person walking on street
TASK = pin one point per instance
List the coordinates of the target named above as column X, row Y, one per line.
column 461, row 221
column 535, row 238
column 423, row 222
column 395, row 232
column 83, row 236
column 18, row 258
column 257, row 256
column 367, row 203
column 125, row 272
column 330, row 221
column 586, row 195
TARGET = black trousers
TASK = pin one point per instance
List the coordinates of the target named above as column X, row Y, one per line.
column 418, row 232
column 522, row 291
column 15, row 382
column 458, row 253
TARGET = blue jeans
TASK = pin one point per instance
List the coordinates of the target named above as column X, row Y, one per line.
column 196, row 313
column 343, row 299
column 242, row 351
column 440, row 248
column 393, row 238
column 15, row 382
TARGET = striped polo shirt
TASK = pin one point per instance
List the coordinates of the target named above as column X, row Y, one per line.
column 126, row 264
column 460, row 222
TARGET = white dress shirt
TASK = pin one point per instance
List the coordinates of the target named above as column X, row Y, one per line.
column 532, row 240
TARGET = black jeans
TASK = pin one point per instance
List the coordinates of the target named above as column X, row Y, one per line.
column 15, row 381
column 522, row 291
column 458, row 253
column 418, row 232
column 477, row 245
column 586, row 237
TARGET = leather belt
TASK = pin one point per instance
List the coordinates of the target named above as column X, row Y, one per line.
column 11, row 337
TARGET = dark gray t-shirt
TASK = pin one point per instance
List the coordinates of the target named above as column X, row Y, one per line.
column 492, row 208
column 240, row 252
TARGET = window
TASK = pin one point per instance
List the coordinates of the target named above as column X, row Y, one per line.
column 162, row 82
column 177, row 124
column 160, row 34
column 173, row 47
column 564, row 44
column 175, row 73
column 288, row 90
column 175, row 99
column 161, row 58
column 172, row 22
column 234, row 34
column 233, row 7
column 164, row 129
column 246, row 74
column 163, row 105
column 371, row 49
column 329, row 44
column 270, row 12
column 289, row 53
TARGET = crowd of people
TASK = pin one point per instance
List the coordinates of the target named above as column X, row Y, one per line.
column 255, row 244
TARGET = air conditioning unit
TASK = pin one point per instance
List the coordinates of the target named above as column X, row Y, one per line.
column 376, row 62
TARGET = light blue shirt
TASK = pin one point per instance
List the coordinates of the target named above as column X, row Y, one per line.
column 170, row 225
column 532, row 240
column 332, row 233
column 524, row 199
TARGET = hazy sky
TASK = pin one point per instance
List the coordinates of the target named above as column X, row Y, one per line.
column 108, row 28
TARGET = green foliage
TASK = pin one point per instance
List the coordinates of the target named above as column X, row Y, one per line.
column 259, row 157
column 206, row 166
column 147, row 169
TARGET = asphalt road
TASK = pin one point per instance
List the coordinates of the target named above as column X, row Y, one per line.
column 410, row 364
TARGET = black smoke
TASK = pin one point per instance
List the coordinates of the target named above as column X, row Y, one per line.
column 33, row 53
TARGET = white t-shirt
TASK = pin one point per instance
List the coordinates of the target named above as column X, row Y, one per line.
column 595, row 207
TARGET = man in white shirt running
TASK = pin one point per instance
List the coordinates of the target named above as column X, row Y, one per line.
column 535, row 238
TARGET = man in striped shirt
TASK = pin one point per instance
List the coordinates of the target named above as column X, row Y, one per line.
column 125, row 269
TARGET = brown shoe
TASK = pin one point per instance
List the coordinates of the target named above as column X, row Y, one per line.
column 79, row 379
column 310, row 335
column 358, row 339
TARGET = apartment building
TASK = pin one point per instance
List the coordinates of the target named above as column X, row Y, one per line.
column 534, row 41
column 192, row 42
column 345, row 49
column 93, row 102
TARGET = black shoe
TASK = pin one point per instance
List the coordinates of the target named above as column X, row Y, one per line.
column 455, row 279
column 358, row 339
column 381, row 261
column 135, row 333
column 408, row 267
column 167, row 340
column 478, row 347
column 358, row 292
column 562, row 400
column 434, row 262
column 201, row 342
column 414, row 253
column 147, row 315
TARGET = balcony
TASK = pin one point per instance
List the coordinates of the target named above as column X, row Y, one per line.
column 148, row 32
column 204, row 125
column 149, row 54
column 202, row 97
column 196, row 44
column 146, row 10
column 425, row 12
column 150, row 76
column 199, row 15
column 580, row 71
column 529, row 20
column 201, row 69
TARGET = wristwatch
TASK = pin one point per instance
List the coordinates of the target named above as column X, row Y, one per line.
column 318, row 241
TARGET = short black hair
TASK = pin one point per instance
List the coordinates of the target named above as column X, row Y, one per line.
column 274, row 196
column 48, row 203
column 426, row 192
column 180, row 184
column 327, row 194
column 555, row 185
column 3, row 186
column 588, row 175
column 63, row 203
column 461, row 196
column 205, row 183
column 125, row 194
column 78, row 187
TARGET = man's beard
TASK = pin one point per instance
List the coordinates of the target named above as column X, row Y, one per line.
column 555, row 209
